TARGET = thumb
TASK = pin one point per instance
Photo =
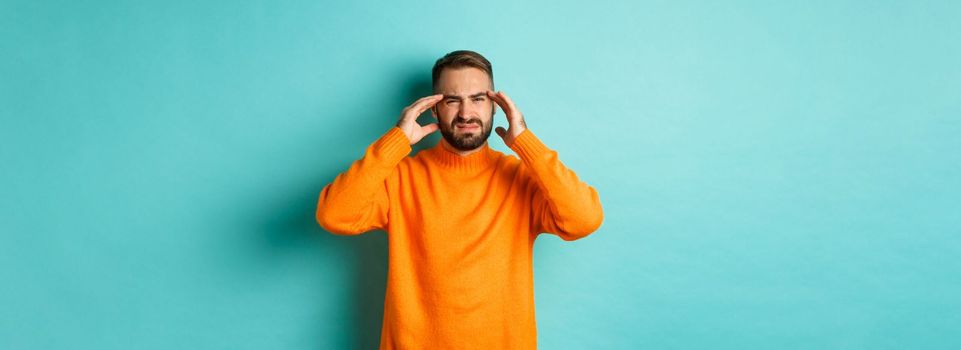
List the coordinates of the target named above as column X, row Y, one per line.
column 429, row 128
column 501, row 132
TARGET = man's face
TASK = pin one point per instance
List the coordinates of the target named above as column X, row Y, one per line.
column 465, row 114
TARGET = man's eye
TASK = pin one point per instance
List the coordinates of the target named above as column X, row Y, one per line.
column 479, row 99
column 451, row 101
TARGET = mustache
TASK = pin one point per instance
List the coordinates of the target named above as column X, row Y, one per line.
column 466, row 121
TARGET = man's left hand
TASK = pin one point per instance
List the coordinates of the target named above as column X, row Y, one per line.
column 515, row 120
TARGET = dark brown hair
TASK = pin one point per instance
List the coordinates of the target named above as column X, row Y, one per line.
column 461, row 59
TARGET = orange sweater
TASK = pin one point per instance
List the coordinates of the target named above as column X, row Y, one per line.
column 461, row 233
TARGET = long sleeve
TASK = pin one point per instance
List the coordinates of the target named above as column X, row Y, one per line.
column 357, row 200
column 562, row 204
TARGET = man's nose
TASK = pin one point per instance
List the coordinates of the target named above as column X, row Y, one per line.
column 465, row 109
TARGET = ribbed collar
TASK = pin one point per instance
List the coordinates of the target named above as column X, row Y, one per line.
column 471, row 163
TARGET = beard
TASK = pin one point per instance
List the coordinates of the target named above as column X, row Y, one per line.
column 465, row 140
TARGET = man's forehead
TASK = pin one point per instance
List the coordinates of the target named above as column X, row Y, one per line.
column 464, row 90
column 463, row 81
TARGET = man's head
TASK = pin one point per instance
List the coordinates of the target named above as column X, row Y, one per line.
column 465, row 114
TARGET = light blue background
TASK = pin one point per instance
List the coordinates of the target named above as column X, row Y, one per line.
column 775, row 175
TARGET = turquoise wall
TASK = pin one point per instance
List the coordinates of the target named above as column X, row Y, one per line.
column 775, row 175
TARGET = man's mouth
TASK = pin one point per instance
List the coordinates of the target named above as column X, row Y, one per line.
column 467, row 126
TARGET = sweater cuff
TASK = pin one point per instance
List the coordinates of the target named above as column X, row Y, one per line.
column 529, row 147
column 394, row 144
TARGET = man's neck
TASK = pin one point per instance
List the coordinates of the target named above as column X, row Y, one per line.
column 448, row 147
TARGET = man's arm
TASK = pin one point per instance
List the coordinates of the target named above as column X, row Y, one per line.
column 356, row 201
column 561, row 204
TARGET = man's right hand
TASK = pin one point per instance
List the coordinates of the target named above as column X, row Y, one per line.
column 408, row 119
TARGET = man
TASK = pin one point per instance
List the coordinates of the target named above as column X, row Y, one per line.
column 461, row 217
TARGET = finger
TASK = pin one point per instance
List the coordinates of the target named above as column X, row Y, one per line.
column 429, row 128
column 497, row 99
column 416, row 102
column 505, row 106
column 507, row 99
column 421, row 105
column 500, row 131
column 423, row 100
column 429, row 97
column 500, row 102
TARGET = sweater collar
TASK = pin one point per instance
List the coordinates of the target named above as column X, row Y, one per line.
column 479, row 160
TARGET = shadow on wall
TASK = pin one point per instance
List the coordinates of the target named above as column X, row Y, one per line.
column 365, row 255
column 361, row 258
